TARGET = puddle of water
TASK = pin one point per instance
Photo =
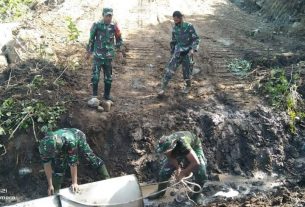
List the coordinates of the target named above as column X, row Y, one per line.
column 228, row 186
column 230, row 194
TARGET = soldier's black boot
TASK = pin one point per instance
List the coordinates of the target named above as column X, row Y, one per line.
column 107, row 90
column 163, row 88
column 94, row 89
column 158, row 194
column 198, row 197
column 187, row 87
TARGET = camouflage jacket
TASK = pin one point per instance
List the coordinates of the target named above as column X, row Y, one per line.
column 104, row 39
column 184, row 38
column 61, row 144
column 186, row 141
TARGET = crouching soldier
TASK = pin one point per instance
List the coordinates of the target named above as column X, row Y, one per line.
column 182, row 147
column 60, row 149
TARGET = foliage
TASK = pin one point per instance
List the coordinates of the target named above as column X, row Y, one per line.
column 282, row 93
column 14, row 113
column 277, row 86
column 72, row 29
column 239, row 67
column 13, row 9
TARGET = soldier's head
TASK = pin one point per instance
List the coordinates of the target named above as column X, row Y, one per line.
column 166, row 144
column 107, row 15
column 50, row 145
column 178, row 17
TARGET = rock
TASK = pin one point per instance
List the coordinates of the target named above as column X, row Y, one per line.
column 138, row 134
column 237, row 169
column 296, row 25
column 6, row 33
column 100, row 109
column 94, row 102
column 196, row 71
column 107, row 105
column 10, row 52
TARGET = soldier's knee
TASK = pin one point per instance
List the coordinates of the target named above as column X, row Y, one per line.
column 108, row 80
column 95, row 79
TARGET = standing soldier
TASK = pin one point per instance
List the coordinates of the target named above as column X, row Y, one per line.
column 182, row 147
column 59, row 149
column 105, row 39
column 185, row 42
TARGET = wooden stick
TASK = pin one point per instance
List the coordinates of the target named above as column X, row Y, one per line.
column 60, row 75
column 24, row 118
column 34, row 129
column 9, row 79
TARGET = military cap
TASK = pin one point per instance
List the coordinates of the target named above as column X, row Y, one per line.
column 166, row 143
column 107, row 11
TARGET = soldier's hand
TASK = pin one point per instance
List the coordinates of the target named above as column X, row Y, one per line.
column 177, row 173
column 50, row 190
column 182, row 175
column 74, row 188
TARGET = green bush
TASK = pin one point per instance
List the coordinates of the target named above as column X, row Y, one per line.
column 24, row 114
column 239, row 67
column 282, row 93
column 13, row 9
column 72, row 29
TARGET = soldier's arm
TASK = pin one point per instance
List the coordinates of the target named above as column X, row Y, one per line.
column 48, row 171
column 173, row 42
column 118, row 37
column 172, row 159
column 193, row 164
column 195, row 38
column 92, row 38
column 73, row 170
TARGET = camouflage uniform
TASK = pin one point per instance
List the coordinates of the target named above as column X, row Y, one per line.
column 184, row 38
column 180, row 143
column 104, row 39
column 185, row 141
column 62, row 148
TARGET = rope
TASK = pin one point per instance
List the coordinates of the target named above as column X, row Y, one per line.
column 182, row 181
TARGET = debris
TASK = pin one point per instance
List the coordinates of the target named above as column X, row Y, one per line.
column 94, row 102
column 107, row 105
column 24, row 171
column 100, row 109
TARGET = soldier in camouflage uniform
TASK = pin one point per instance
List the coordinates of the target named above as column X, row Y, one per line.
column 185, row 42
column 105, row 39
column 60, row 149
column 182, row 147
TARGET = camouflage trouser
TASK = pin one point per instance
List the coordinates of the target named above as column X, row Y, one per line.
column 60, row 163
column 107, row 69
column 187, row 67
column 199, row 174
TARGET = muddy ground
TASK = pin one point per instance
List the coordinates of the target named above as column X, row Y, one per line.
column 241, row 134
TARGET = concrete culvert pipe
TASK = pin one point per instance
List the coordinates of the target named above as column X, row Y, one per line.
column 116, row 192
